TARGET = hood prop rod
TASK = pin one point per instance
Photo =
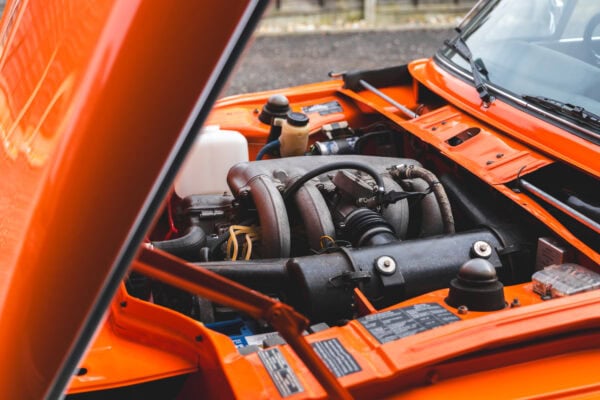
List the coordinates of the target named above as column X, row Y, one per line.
column 289, row 323
column 405, row 110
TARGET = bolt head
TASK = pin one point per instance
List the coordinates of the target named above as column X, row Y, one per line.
column 482, row 249
column 386, row 265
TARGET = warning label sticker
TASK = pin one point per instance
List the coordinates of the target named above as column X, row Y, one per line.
column 282, row 374
column 330, row 107
column 338, row 360
column 402, row 322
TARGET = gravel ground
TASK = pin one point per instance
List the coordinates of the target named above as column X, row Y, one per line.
column 287, row 60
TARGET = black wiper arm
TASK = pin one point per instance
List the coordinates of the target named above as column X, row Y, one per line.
column 577, row 113
column 462, row 49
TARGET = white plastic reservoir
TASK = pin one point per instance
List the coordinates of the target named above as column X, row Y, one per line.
column 213, row 153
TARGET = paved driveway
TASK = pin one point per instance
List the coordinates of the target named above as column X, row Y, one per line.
column 287, row 60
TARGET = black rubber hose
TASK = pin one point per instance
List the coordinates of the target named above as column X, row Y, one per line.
column 363, row 138
column 412, row 171
column 187, row 246
column 298, row 183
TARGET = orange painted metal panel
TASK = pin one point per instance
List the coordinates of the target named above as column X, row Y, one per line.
column 523, row 126
column 96, row 100
column 128, row 352
column 95, row 96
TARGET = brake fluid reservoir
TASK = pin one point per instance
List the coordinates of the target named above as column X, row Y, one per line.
column 294, row 135
column 213, row 153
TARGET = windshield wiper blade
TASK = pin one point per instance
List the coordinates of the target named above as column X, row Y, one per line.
column 577, row 113
column 462, row 49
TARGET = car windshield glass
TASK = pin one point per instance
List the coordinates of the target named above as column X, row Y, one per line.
column 543, row 48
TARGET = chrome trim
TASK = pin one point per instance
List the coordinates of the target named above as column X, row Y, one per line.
column 516, row 99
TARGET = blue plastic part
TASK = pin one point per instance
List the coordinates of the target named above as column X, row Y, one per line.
column 237, row 329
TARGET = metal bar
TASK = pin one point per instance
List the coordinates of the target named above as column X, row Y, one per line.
column 290, row 324
column 306, row 353
column 407, row 111
column 570, row 211
column 170, row 269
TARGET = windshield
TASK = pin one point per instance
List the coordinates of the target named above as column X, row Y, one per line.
column 547, row 48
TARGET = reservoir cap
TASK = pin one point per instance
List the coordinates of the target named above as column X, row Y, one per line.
column 297, row 119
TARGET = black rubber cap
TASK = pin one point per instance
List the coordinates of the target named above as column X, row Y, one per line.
column 277, row 106
column 477, row 270
column 297, row 119
column 476, row 287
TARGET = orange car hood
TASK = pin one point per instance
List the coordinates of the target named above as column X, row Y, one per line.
column 99, row 101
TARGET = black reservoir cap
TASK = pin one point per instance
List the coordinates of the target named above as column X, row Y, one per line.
column 297, row 119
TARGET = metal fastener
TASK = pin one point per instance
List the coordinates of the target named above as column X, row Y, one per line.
column 463, row 310
column 482, row 249
column 386, row 265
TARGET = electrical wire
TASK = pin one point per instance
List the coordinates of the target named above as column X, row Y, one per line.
column 172, row 228
column 267, row 148
column 251, row 234
column 324, row 244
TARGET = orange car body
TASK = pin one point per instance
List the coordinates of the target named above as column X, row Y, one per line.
column 100, row 101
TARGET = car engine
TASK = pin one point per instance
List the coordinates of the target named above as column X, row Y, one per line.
column 315, row 230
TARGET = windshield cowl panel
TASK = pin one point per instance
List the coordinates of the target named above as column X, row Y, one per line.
column 537, row 49
column 517, row 122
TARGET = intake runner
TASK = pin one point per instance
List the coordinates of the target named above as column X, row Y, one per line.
column 321, row 286
column 290, row 197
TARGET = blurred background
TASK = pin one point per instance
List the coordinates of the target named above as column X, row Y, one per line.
column 300, row 41
column 307, row 15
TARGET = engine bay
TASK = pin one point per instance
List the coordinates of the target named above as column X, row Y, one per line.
column 345, row 211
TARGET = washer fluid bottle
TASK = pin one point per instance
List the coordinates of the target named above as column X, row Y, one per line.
column 213, row 153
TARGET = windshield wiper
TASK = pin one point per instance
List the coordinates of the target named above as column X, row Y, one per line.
column 576, row 113
column 477, row 68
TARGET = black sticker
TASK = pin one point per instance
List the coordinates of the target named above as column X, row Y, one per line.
column 330, row 107
column 338, row 360
column 407, row 321
column 282, row 374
